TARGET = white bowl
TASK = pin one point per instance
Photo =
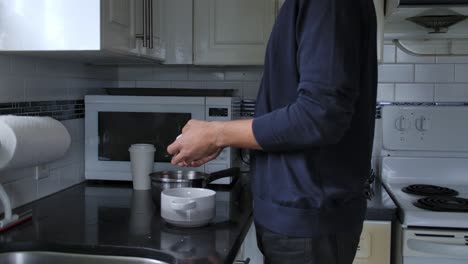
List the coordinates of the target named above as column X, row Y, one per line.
column 188, row 207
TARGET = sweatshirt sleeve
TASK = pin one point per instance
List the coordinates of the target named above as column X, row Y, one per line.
column 328, row 36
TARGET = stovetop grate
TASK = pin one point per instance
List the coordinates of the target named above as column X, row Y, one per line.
column 429, row 190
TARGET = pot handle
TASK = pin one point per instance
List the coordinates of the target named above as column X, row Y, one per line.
column 183, row 206
column 233, row 172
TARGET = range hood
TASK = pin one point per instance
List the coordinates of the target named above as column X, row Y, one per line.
column 428, row 26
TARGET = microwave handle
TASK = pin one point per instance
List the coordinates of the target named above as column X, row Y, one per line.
column 436, row 248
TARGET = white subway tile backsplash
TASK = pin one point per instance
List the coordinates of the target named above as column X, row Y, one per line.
column 134, row 73
column 17, row 174
column 377, row 147
column 414, row 92
column 124, row 84
column 396, row 73
column 11, row 89
column 24, row 78
column 224, row 85
column 188, row 84
column 389, row 54
column 461, row 73
column 451, row 92
column 452, row 59
column 250, row 90
column 69, row 176
column 434, row 73
column 23, row 65
column 170, row 73
column 48, row 185
column 206, row 74
column 243, row 73
column 39, row 89
column 378, row 132
column 22, row 191
column 4, row 63
column 56, row 68
column 153, row 84
column 236, row 86
column 386, row 92
column 80, row 131
column 403, row 57
column 102, row 72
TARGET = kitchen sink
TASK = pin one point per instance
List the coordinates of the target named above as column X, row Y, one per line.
column 33, row 257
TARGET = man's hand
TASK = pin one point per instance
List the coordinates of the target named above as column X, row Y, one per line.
column 198, row 144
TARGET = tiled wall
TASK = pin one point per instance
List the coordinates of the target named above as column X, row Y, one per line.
column 402, row 78
column 408, row 78
column 33, row 86
column 245, row 80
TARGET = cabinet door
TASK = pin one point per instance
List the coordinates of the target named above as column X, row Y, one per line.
column 117, row 34
column 156, row 18
column 228, row 32
column 249, row 248
column 379, row 9
column 178, row 31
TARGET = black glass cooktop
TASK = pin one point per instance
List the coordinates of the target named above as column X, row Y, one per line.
column 443, row 204
column 429, row 190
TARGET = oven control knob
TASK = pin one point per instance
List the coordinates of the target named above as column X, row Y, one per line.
column 422, row 124
column 402, row 123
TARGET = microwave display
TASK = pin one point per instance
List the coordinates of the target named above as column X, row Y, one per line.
column 119, row 130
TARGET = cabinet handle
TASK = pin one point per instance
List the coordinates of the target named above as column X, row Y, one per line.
column 145, row 23
column 144, row 36
column 247, row 261
column 150, row 23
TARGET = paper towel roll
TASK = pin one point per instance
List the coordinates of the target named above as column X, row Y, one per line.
column 27, row 141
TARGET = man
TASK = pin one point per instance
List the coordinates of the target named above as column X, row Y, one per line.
column 312, row 133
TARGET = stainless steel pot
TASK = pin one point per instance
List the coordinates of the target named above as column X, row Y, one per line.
column 163, row 180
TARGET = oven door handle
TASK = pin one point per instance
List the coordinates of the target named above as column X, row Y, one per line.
column 436, row 248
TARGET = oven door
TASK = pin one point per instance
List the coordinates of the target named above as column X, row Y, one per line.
column 113, row 123
column 432, row 246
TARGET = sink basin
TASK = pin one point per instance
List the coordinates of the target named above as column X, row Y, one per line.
column 32, row 257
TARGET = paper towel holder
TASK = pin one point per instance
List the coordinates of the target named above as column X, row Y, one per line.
column 9, row 217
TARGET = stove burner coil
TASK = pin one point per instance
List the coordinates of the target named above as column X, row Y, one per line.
column 429, row 190
column 443, row 204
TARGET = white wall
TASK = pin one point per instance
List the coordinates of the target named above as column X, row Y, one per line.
column 244, row 79
column 402, row 78
column 25, row 79
column 407, row 78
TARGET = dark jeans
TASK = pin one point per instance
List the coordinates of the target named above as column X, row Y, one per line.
column 327, row 249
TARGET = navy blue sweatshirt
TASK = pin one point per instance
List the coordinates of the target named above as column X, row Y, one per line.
column 315, row 118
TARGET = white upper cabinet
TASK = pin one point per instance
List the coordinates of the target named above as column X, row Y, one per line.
column 101, row 32
column 116, row 25
column 228, row 32
column 148, row 27
column 178, row 31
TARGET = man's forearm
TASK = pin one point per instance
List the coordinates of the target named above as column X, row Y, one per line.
column 238, row 134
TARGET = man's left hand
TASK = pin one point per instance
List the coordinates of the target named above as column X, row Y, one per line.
column 197, row 145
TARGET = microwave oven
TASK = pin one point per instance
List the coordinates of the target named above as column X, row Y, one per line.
column 113, row 123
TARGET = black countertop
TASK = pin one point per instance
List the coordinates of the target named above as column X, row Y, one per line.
column 381, row 207
column 111, row 219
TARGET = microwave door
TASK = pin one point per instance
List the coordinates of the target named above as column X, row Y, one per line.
column 112, row 126
column 119, row 130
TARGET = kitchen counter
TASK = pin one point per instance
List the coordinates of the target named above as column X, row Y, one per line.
column 111, row 219
column 381, row 207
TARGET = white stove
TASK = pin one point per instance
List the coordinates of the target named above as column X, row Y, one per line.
column 428, row 145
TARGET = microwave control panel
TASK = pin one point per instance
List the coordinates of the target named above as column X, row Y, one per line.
column 218, row 112
column 223, row 109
